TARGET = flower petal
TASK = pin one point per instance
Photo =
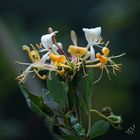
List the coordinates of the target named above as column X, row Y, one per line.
column 92, row 53
column 92, row 35
column 46, row 40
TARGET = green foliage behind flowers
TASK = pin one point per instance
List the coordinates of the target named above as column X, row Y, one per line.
column 69, row 84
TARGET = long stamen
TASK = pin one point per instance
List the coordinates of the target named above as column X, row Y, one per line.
column 117, row 56
column 107, row 44
column 115, row 64
column 107, row 71
column 114, row 70
column 98, row 46
column 101, row 74
column 21, row 78
column 64, row 66
column 22, row 63
column 43, row 50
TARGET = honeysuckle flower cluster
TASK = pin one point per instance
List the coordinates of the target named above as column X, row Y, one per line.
column 67, row 97
column 50, row 56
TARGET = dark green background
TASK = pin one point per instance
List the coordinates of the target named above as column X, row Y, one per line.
column 23, row 22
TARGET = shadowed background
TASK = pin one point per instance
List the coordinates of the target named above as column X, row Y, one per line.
column 23, row 22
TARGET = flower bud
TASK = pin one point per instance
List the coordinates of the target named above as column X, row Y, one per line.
column 105, row 51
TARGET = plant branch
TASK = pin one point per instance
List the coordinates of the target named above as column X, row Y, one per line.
column 89, row 123
column 103, row 116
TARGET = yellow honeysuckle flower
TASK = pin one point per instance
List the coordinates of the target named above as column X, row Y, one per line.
column 105, row 62
column 33, row 55
column 102, row 58
column 77, row 51
column 55, row 59
column 34, row 67
column 58, row 59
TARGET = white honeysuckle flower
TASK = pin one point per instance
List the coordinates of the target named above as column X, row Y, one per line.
column 92, row 35
column 46, row 40
column 53, row 50
column 92, row 53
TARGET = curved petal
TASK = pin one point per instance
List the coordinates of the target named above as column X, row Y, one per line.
column 92, row 35
column 46, row 40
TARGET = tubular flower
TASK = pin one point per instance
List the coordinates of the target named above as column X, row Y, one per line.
column 77, row 51
column 36, row 68
column 36, row 65
column 46, row 40
column 92, row 36
column 104, row 62
column 55, row 59
column 33, row 55
column 46, row 56
column 58, row 59
column 101, row 58
column 49, row 46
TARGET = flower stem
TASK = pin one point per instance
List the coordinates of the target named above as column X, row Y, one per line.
column 89, row 123
column 101, row 115
column 93, row 66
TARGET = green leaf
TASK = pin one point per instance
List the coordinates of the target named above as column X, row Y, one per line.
column 88, row 84
column 57, row 90
column 65, row 85
column 99, row 128
column 86, row 91
column 36, row 103
column 48, row 100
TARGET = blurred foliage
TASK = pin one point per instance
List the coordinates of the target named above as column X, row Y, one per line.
column 10, row 129
column 28, row 20
column 7, row 77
